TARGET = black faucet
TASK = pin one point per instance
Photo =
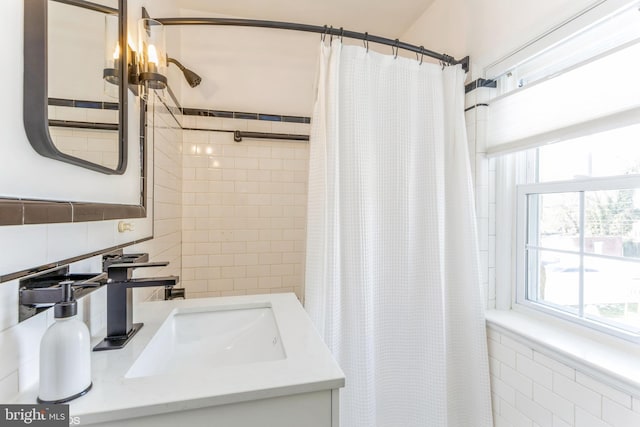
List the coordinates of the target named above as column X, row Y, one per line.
column 120, row 326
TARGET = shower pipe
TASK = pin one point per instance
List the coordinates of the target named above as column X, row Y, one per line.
column 396, row 44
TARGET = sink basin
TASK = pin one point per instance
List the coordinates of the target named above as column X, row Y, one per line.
column 210, row 337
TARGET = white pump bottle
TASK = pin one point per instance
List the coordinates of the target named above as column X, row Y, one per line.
column 65, row 354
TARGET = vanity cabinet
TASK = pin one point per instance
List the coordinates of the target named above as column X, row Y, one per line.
column 315, row 409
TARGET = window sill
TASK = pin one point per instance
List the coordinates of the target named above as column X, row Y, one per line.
column 610, row 360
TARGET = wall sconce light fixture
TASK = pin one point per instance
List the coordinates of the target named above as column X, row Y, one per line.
column 147, row 68
column 152, row 58
column 110, row 73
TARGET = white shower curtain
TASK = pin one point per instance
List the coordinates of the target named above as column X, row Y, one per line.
column 392, row 275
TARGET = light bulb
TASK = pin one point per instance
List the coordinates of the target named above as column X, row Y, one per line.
column 152, row 54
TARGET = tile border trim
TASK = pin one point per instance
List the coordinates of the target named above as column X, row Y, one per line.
column 79, row 103
column 475, row 106
column 32, row 211
column 478, row 84
column 203, row 112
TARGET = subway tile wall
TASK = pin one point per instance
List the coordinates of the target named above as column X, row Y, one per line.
column 530, row 389
column 483, row 175
column 165, row 135
column 244, row 208
column 97, row 146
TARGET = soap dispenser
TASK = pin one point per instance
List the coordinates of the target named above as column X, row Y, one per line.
column 65, row 353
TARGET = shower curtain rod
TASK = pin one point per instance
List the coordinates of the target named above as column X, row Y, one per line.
column 83, row 125
column 90, row 6
column 338, row 32
column 239, row 134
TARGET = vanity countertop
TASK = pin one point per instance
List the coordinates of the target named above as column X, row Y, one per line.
column 307, row 367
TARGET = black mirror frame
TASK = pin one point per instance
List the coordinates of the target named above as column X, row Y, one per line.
column 35, row 105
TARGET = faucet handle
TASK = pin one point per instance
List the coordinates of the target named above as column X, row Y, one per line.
column 127, row 265
column 123, row 271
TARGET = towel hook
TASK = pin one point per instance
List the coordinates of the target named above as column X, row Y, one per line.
column 394, row 49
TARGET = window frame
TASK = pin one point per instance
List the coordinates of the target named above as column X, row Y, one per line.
column 581, row 185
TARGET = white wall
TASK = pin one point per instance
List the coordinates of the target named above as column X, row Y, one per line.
column 249, row 69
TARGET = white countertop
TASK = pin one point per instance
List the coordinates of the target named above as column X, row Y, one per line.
column 308, row 366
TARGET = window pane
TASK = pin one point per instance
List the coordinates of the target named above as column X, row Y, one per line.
column 612, row 222
column 608, row 153
column 558, row 224
column 554, row 279
column 612, row 291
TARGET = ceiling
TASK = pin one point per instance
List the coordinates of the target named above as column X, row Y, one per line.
column 379, row 17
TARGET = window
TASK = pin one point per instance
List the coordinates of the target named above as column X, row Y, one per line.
column 579, row 231
column 564, row 126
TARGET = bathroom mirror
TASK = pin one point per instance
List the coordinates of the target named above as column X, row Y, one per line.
column 60, row 192
column 74, row 106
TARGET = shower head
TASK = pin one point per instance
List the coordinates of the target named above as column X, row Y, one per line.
column 192, row 78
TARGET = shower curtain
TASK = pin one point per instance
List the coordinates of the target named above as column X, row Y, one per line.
column 392, row 270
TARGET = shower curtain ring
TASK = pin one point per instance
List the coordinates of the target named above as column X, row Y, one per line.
column 394, row 49
column 365, row 41
column 421, row 54
column 446, row 60
column 331, row 36
column 341, row 34
column 324, row 35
